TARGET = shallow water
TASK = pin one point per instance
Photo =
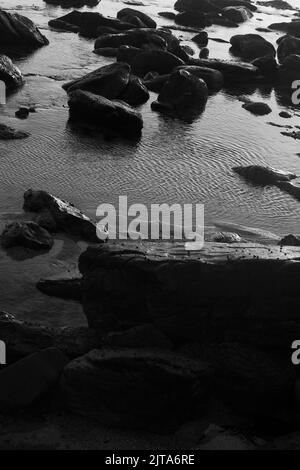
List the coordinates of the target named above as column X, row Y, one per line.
column 174, row 162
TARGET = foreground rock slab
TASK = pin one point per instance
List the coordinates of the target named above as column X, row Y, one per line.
column 263, row 175
column 8, row 133
column 135, row 388
column 22, row 383
column 66, row 216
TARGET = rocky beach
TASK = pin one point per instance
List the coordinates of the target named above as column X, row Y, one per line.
column 145, row 344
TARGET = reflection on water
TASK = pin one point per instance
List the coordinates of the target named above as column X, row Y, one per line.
column 174, row 161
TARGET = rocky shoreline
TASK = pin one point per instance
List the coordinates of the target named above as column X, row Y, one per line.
column 172, row 335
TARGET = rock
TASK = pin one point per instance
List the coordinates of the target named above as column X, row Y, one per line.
column 66, row 216
column 9, row 73
column 257, row 108
column 156, row 83
column 237, row 14
column 289, row 69
column 292, row 28
column 22, row 113
column 162, row 62
column 106, row 51
column 201, row 38
column 204, row 53
column 225, row 440
column 18, row 30
column 189, row 50
column 163, row 394
column 279, row 4
column 103, row 112
column 127, row 53
column 184, row 93
column 65, row 288
column 136, row 93
column 205, row 6
column 26, row 234
column 251, row 46
column 227, row 237
column 291, row 188
column 167, row 14
column 267, row 65
column 285, row 115
column 73, row 3
column 213, row 78
column 235, row 3
column 22, row 383
column 263, row 175
column 23, row 338
column 8, row 133
column 146, row 335
column 288, row 45
column 222, row 21
column 108, row 81
column 127, row 12
column 192, row 19
column 141, row 38
column 232, row 71
column 290, row 240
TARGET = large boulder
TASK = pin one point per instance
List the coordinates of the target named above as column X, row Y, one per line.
column 23, row 382
column 183, row 94
column 263, row 175
column 159, row 61
column 18, row 30
column 251, row 46
column 267, row 65
column 127, row 53
column 27, row 235
column 279, row 4
column 195, row 18
column 126, row 13
column 288, row 45
column 101, row 112
column 237, row 14
column 136, row 93
column 108, row 81
column 9, row 73
column 66, row 216
column 232, row 71
column 292, row 28
column 289, row 69
column 142, row 388
column 213, row 78
column 205, row 6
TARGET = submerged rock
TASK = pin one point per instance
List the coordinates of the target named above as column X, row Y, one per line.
column 18, row 30
column 66, row 216
column 290, row 240
column 183, row 94
column 257, row 108
column 108, row 81
column 263, row 175
column 22, row 383
column 163, row 394
column 104, row 113
column 8, row 133
column 251, row 46
column 26, row 234
column 9, row 73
